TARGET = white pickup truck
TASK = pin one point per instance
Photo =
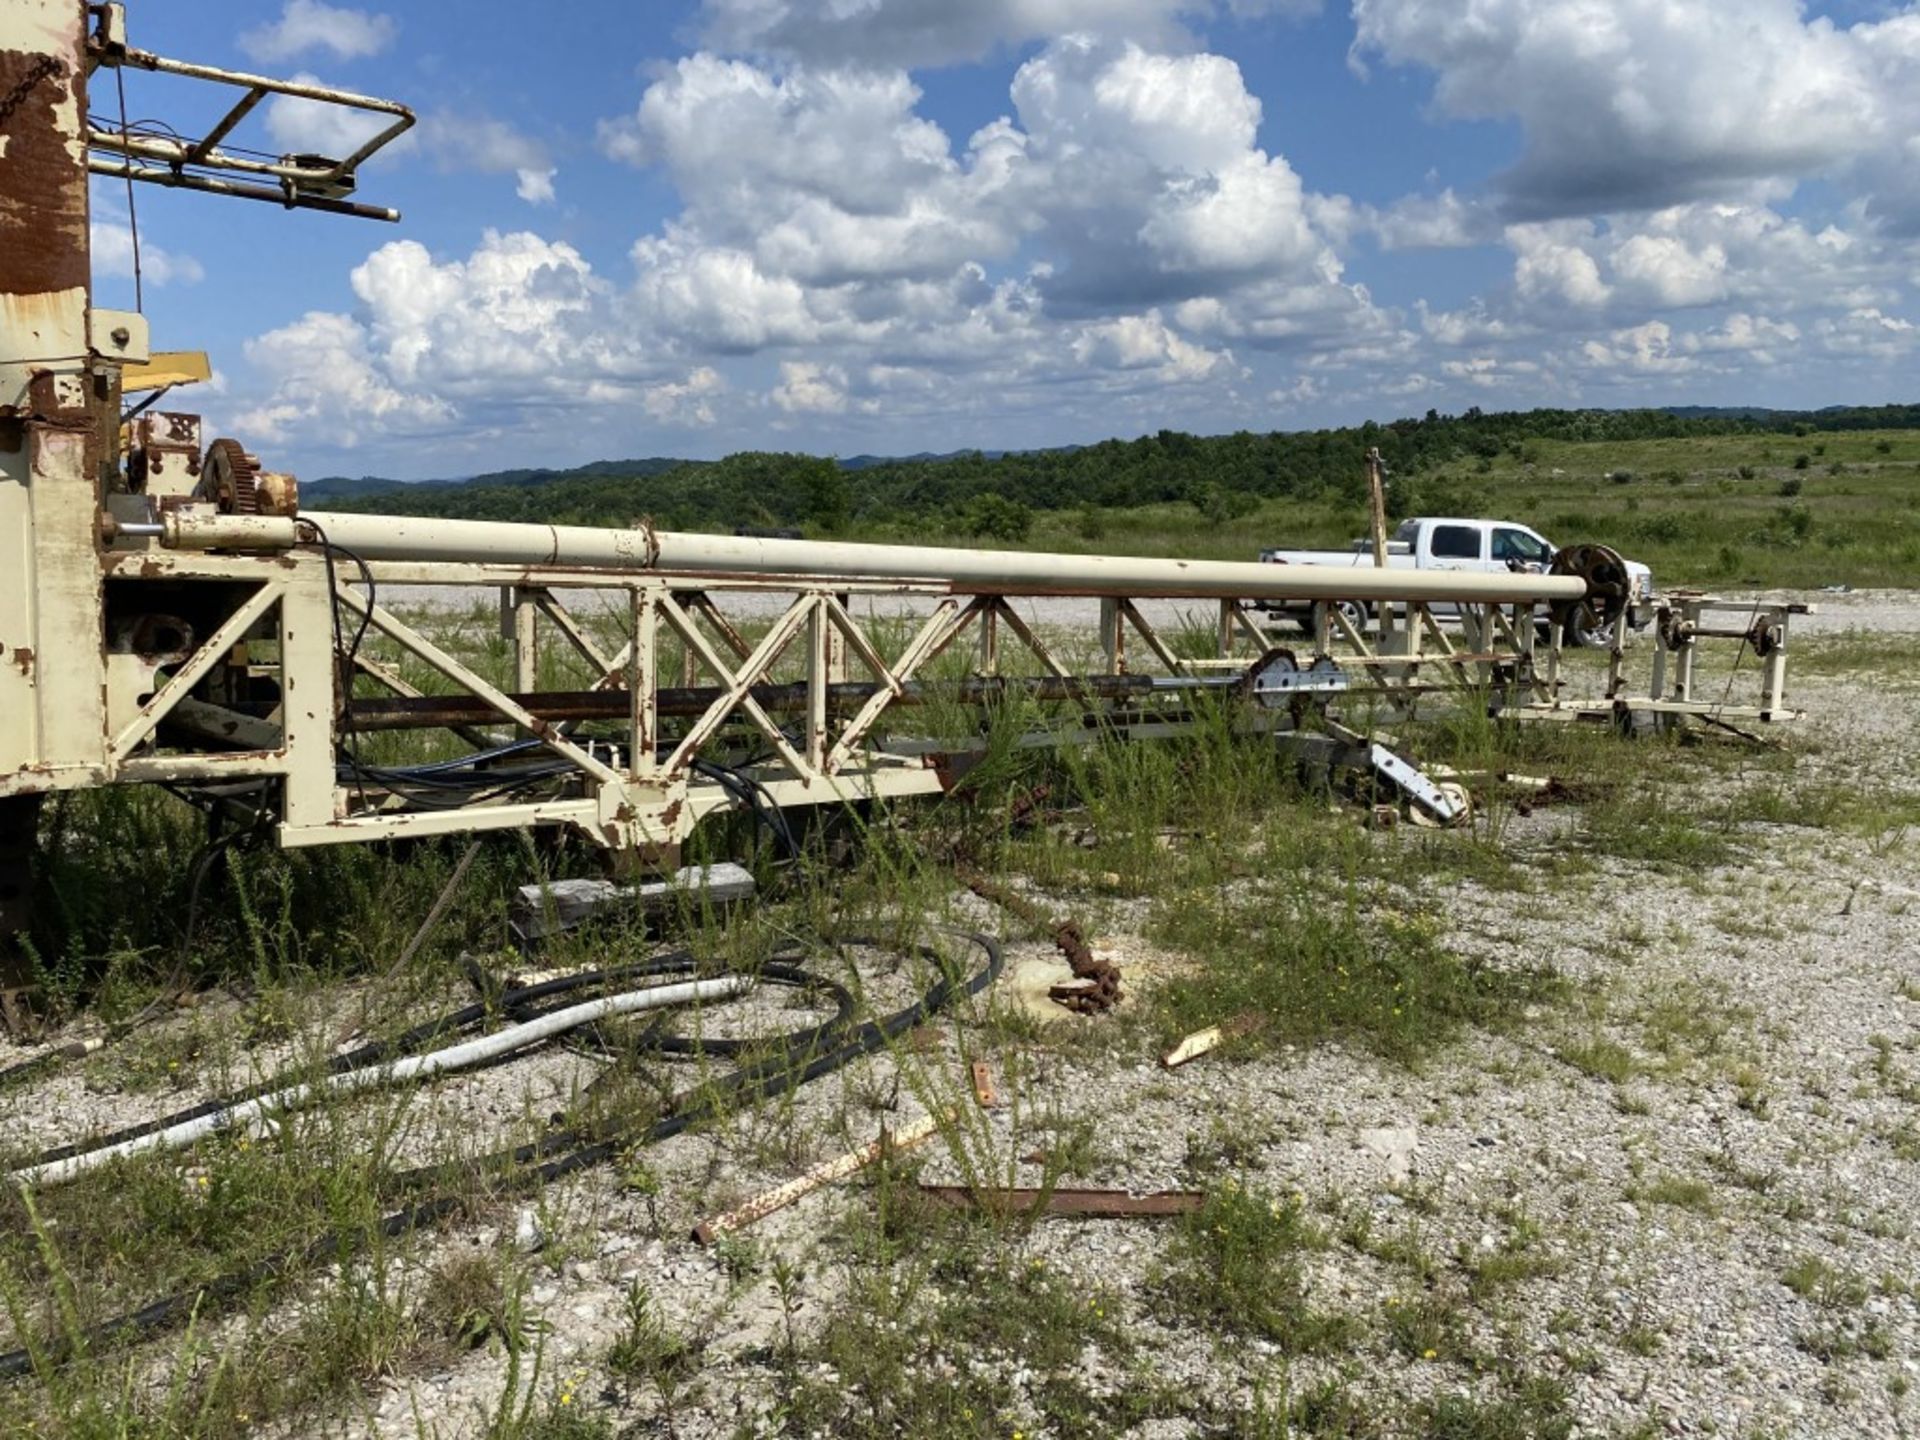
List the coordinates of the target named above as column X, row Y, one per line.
column 1448, row 543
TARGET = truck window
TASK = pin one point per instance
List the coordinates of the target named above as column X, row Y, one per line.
column 1455, row 542
column 1511, row 544
column 1408, row 533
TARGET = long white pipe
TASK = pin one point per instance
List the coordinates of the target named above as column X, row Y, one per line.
column 252, row 1115
column 1009, row 572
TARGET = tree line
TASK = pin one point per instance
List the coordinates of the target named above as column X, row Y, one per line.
column 1223, row 475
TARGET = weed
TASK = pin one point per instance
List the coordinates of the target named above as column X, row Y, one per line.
column 1425, row 1326
column 1312, row 966
column 1680, row 1191
column 1237, row 1265
column 1601, row 1057
column 1532, row 1408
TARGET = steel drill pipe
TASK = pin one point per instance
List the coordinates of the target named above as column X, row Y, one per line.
column 965, row 571
column 415, row 712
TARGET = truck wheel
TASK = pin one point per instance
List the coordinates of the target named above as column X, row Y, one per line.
column 1355, row 612
column 1581, row 636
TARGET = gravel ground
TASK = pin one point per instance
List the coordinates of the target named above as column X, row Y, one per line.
column 1771, row 1007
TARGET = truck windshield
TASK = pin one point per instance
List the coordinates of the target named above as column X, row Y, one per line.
column 1511, row 544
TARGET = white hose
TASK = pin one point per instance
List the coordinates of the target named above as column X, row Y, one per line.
column 252, row 1115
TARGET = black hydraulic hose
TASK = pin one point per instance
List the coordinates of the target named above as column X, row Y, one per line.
column 516, row 1005
column 556, row 1156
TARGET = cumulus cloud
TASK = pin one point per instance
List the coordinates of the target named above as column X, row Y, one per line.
column 519, row 331
column 451, row 140
column 1489, row 372
column 1144, row 343
column 112, row 245
column 1123, row 231
column 1149, row 168
column 323, row 379
column 535, row 186
column 822, row 209
column 313, row 127
column 306, row 25
column 822, row 177
column 1473, row 324
column 1647, row 349
column 1754, row 339
column 1438, row 222
column 1634, row 103
column 809, row 388
column 480, row 144
column 1868, row 332
column 688, row 401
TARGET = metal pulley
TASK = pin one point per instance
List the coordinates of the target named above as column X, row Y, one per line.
column 1609, row 589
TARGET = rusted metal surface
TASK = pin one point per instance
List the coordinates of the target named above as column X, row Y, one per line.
column 230, row 479
column 838, row 1168
column 1087, row 1204
column 985, row 1092
column 562, row 706
column 1609, row 586
column 1097, row 980
column 43, row 184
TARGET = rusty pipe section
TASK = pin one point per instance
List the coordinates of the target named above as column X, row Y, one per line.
column 418, row 712
column 973, row 572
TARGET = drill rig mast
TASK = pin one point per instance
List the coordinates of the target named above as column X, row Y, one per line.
column 170, row 615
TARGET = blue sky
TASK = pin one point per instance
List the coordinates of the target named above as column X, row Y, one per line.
column 850, row 226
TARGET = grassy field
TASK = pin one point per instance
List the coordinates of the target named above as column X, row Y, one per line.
column 1707, row 513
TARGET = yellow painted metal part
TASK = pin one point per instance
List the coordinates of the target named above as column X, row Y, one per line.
column 167, row 368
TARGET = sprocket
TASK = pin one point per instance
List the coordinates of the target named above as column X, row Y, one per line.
column 230, row 477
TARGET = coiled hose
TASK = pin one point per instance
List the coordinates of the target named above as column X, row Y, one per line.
column 789, row 1062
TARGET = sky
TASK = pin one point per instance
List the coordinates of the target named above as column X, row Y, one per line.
column 692, row 227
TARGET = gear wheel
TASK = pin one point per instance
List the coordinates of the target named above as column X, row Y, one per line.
column 230, row 479
column 1609, row 591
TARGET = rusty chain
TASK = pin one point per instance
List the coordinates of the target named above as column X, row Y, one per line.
column 1098, row 981
column 40, row 69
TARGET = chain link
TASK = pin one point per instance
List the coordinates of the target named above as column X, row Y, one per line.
column 40, row 69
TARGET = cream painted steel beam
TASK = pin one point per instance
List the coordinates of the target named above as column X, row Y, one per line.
column 1005, row 572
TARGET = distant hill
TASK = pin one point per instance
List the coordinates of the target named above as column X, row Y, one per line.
column 925, row 457
column 989, row 492
column 1721, row 412
column 333, row 489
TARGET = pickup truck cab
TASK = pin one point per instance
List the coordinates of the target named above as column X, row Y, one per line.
column 1452, row 543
